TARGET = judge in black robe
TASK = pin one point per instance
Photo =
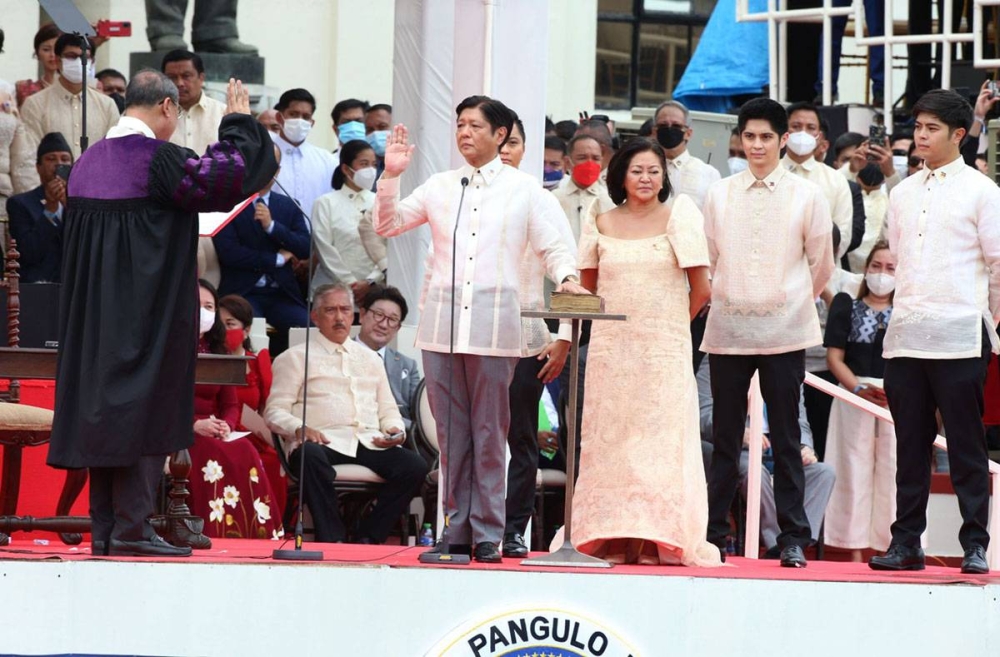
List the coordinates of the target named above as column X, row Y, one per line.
column 129, row 300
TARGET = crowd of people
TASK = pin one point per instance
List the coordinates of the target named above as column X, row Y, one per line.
column 787, row 264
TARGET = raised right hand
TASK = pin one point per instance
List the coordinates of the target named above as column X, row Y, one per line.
column 398, row 151
column 237, row 98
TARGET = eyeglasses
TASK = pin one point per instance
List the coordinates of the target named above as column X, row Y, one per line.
column 379, row 317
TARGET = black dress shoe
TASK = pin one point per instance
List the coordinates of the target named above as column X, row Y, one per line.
column 793, row 557
column 154, row 547
column 486, row 553
column 514, row 546
column 974, row 562
column 899, row 557
column 99, row 548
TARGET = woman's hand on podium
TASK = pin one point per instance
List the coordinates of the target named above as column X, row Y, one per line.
column 398, row 151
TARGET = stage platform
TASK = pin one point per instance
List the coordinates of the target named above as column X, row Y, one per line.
column 375, row 601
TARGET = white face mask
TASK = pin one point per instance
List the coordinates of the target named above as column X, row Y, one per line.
column 899, row 163
column 801, row 143
column 881, row 284
column 206, row 321
column 737, row 165
column 296, row 130
column 365, row 178
column 72, row 70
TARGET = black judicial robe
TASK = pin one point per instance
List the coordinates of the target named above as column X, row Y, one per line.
column 128, row 338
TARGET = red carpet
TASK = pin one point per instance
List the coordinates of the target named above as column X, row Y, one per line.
column 239, row 551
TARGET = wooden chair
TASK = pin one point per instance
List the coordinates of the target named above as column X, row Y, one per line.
column 25, row 426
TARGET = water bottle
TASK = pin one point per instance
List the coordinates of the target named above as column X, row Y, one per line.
column 427, row 536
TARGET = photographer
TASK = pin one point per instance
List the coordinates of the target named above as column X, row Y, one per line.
column 36, row 217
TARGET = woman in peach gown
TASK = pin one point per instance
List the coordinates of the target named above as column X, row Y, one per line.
column 641, row 496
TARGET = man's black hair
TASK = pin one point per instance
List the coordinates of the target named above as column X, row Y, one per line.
column 952, row 109
column 555, row 144
column 295, row 95
column 346, row 105
column 181, row 55
column 385, row 293
column 763, row 109
column 496, row 113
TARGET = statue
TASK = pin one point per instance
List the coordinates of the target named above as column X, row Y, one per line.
column 213, row 29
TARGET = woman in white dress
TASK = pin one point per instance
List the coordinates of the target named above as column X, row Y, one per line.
column 641, row 495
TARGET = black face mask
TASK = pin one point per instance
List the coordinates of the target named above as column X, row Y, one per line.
column 669, row 136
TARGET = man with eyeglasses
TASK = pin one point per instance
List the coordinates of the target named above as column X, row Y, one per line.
column 352, row 416
column 381, row 312
column 688, row 174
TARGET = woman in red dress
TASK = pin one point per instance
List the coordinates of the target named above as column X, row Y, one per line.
column 237, row 315
column 229, row 484
column 45, row 53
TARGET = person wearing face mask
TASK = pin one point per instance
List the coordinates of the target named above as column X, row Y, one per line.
column 585, row 191
column 349, row 120
column 306, row 170
column 804, row 131
column 58, row 108
column 230, row 489
column 341, row 255
column 256, row 252
column 876, row 201
column 688, row 174
column 378, row 120
column 553, row 168
column 861, row 448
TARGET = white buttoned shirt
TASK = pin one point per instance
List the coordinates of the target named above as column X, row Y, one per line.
column 306, row 172
column 54, row 109
column 691, row 176
column 504, row 211
column 944, row 229
column 198, row 127
column 771, row 256
column 836, row 190
column 350, row 400
column 342, row 255
column 578, row 202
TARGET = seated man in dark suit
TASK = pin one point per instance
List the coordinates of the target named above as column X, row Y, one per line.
column 36, row 217
column 381, row 312
column 255, row 251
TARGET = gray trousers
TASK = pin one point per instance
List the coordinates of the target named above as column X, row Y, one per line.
column 122, row 498
column 473, row 451
column 213, row 19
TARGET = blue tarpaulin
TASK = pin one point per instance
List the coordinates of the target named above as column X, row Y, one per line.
column 730, row 60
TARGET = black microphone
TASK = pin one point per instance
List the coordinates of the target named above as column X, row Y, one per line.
column 443, row 553
column 298, row 554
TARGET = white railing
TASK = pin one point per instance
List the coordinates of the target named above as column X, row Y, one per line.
column 756, row 411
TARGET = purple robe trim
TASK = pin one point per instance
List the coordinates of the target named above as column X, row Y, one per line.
column 132, row 154
column 219, row 172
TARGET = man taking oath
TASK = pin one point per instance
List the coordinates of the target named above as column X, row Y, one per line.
column 129, row 304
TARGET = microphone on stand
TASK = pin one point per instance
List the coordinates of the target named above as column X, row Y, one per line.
column 298, row 554
column 443, row 555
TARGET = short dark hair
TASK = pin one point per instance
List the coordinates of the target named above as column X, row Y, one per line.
column 549, row 125
column 902, row 133
column 763, row 109
column 215, row 336
column 496, row 113
column 824, row 127
column 621, row 161
column 295, row 95
column 951, row 108
column 181, row 55
column 555, row 143
column 148, row 88
column 67, row 40
column 345, row 105
column 385, row 293
column 379, row 106
column 847, row 140
column 646, row 129
column 578, row 138
column 348, row 152
column 520, row 126
column 566, row 129
column 110, row 73
column 242, row 312
column 45, row 33
column 804, row 106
